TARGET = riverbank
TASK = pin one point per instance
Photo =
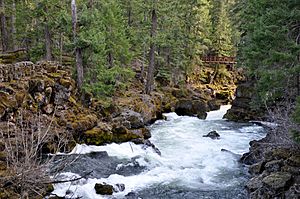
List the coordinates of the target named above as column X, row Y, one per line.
column 274, row 167
column 41, row 99
column 274, row 161
column 204, row 169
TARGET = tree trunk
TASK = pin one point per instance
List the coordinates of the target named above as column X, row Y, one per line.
column 79, row 67
column 78, row 50
column 129, row 14
column 61, row 47
column 13, row 26
column 143, row 64
column 48, row 43
column 4, row 34
column 110, row 59
column 151, row 67
column 47, row 37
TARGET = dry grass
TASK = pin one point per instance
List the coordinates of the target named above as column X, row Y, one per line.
column 26, row 139
column 281, row 115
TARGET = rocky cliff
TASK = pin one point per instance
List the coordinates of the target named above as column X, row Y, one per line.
column 242, row 106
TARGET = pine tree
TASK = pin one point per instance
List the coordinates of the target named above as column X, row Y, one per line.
column 270, row 48
column 221, row 29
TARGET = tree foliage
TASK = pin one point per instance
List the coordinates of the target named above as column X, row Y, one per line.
column 270, row 46
column 113, row 34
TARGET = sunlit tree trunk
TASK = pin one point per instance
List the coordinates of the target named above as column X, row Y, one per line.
column 4, row 34
column 151, row 67
column 78, row 50
column 13, row 26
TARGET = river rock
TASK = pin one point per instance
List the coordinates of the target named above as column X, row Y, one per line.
column 36, row 85
column 241, row 109
column 119, row 187
column 135, row 119
column 256, row 168
column 104, row 189
column 147, row 144
column 293, row 170
column 254, row 183
column 293, row 192
column 131, row 195
column 278, row 180
column 214, row 105
column 213, row 135
column 84, row 123
column 129, row 119
column 294, row 160
column 274, row 166
column 99, row 135
column 192, row 108
column 252, row 157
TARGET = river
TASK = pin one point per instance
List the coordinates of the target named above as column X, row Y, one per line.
column 190, row 166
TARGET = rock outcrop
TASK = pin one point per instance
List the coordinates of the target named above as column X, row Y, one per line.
column 192, row 108
column 275, row 170
column 242, row 109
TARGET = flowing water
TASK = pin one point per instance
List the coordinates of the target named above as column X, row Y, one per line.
column 190, row 165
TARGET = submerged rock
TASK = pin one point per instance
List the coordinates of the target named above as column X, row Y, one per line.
column 147, row 144
column 213, row 135
column 131, row 195
column 119, row 187
column 104, row 189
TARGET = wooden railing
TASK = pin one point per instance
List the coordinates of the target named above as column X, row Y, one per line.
column 219, row 60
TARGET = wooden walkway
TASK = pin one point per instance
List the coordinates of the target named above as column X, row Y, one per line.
column 219, row 60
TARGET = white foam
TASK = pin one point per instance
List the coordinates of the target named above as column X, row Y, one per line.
column 218, row 114
column 188, row 158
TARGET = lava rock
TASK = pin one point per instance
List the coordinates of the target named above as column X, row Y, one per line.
column 256, row 168
column 278, row 180
column 254, row 183
column 214, row 105
column 293, row 192
column 104, row 189
column 274, row 165
column 294, row 160
column 135, row 119
column 213, row 135
column 191, row 108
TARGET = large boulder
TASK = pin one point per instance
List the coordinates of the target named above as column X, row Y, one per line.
column 83, row 123
column 277, row 181
column 104, row 189
column 130, row 119
column 125, row 135
column 274, row 165
column 99, row 135
column 214, row 105
column 241, row 109
column 192, row 108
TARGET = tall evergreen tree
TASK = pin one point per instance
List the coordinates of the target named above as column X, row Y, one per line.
column 270, row 46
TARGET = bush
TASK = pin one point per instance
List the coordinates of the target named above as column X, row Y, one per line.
column 24, row 141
